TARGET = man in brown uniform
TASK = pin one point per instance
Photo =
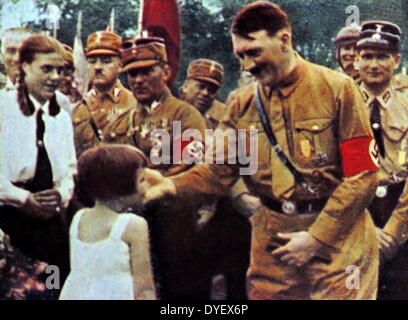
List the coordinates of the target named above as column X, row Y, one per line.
column 378, row 57
column 108, row 97
column 204, row 78
column 345, row 51
column 224, row 232
column 158, row 111
column 313, row 232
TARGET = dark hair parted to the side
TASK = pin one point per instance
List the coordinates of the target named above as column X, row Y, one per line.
column 260, row 15
column 109, row 171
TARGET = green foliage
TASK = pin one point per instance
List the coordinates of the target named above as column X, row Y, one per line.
column 206, row 35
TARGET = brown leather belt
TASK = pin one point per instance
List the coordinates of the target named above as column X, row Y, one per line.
column 294, row 208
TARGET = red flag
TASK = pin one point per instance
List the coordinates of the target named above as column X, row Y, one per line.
column 161, row 19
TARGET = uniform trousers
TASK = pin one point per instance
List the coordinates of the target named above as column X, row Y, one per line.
column 393, row 280
column 332, row 275
column 223, row 247
column 172, row 238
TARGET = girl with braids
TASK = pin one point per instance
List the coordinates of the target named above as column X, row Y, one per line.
column 37, row 159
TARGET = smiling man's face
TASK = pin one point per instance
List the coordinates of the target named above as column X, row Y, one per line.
column 43, row 75
column 377, row 66
column 261, row 55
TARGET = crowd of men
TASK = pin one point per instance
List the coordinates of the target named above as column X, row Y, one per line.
column 329, row 191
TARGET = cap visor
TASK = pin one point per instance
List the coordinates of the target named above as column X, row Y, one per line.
column 210, row 80
column 139, row 64
column 101, row 52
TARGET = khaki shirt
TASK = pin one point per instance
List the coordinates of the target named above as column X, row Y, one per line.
column 394, row 120
column 135, row 127
column 323, row 109
column 96, row 111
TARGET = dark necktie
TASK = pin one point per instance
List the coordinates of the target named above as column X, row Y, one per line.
column 43, row 173
column 375, row 120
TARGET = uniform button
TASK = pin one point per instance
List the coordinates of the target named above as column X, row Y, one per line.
column 113, row 135
column 376, row 126
column 40, row 143
column 315, row 127
column 100, row 132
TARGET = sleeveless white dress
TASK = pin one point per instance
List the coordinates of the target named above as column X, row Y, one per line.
column 99, row 270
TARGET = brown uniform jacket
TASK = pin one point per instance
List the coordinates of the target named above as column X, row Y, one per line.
column 135, row 126
column 394, row 121
column 96, row 111
column 323, row 110
column 394, row 166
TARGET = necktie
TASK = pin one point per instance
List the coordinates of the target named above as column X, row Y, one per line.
column 43, row 173
column 375, row 120
column 283, row 181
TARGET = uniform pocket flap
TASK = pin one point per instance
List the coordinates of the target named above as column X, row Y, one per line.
column 313, row 125
column 395, row 133
column 80, row 114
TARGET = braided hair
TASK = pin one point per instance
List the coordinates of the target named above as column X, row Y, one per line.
column 27, row 52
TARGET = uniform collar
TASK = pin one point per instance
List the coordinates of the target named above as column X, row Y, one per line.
column 37, row 105
column 292, row 80
column 158, row 104
column 113, row 93
column 384, row 98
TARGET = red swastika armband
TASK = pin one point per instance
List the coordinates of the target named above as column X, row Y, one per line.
column 358, row 155
column 191, row 148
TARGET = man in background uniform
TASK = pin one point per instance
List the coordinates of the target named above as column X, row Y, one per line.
column 108, row 97
column 313, row 225
column 224, row 232
column 67, row 85
column 200, row 89
column 378, row 57
column 172, row 226
column 345, row 49
column 10, row 42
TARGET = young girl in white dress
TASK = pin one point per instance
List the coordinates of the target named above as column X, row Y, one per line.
column 110, row 255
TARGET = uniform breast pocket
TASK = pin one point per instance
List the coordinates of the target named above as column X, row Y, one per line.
column 397, row 144
column 314, row 140
column 395, row 134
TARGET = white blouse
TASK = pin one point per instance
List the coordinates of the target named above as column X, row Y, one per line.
column 18, row 150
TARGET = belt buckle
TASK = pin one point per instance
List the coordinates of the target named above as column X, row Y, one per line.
column 381, row 191
column 289, row 207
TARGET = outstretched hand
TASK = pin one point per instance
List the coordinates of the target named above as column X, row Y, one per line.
column 300, row 248
column 153, row 185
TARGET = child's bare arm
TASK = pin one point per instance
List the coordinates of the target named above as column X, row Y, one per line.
column 137, row 236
